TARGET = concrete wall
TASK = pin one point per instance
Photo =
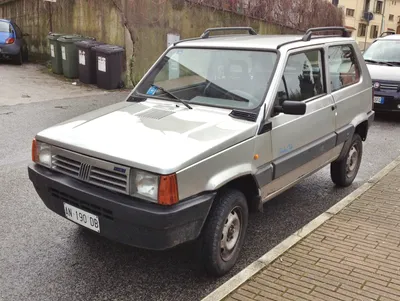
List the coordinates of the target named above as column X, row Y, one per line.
column 187, row 21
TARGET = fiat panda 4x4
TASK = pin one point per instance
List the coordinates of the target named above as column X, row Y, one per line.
column 218, row 126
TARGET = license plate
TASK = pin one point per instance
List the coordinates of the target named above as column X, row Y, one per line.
column 82, row 218
column 378, row 99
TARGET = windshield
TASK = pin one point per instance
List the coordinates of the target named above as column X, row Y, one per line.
column 384, row 51
column 214, row 77
column 5, row 27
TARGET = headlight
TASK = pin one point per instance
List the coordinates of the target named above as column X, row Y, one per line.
column 41, row 153
column 145, row 184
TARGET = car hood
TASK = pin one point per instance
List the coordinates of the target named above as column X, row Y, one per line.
column 386, row 73
column 155, row 136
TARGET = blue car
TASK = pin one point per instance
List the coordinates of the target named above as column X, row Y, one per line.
column 12, row 43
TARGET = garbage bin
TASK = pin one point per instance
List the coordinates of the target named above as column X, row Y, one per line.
column 55, row 52
column 109, row 66
column 87, row 61
column 69, row 54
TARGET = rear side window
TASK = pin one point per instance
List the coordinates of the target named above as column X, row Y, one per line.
column 18, row 31
column 344, row 68
column 303, row 77
column 5, row 27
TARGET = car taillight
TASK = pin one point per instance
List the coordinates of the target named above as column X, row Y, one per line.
column 10, row 41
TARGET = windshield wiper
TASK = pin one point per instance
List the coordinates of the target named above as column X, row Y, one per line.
column 380, row 62
column 394, row 63
column 173, row 96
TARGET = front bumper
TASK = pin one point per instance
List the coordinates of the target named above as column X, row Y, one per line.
column 391, row 102
column 123, row 218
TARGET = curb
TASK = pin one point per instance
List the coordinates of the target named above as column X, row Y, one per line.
column 229, row 286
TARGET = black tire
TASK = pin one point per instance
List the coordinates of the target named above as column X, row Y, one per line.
column 227, row 207
column 18, row 59
column 26, row 55
column 344, row 171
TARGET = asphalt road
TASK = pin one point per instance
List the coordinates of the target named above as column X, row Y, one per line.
column 45, row 257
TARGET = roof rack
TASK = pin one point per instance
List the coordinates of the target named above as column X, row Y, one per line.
column 206, row 33
column 307, row 36
column 386, row 33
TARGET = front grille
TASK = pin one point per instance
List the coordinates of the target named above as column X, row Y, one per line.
column 389, row 87
column 65, row 165
column 91, row 208
column 100, row 173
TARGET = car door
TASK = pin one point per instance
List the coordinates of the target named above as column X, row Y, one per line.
column 301, row 144
column 346, row 85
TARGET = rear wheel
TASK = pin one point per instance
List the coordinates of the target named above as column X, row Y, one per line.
column 344, row 171
column 18, row 58
column 224, row 232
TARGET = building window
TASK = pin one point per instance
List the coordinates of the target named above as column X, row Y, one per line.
column 362, row 28
column 335, row 2
column 350, row 12
column 394, row 2
column 391, row 18
column 379, row 7
column 374, row 32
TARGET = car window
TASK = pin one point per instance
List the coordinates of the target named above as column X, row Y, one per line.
column 344, row 68
column 384, row 51
column 303, row 77
column 17, row 31
column 5, row 27
column 216, row 77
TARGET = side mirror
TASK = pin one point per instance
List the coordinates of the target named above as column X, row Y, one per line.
column 291, row 108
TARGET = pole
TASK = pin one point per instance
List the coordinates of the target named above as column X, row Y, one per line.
column 366, row 35
column 383, row 17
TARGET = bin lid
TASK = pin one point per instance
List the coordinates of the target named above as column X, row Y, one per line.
column 71, row 38
column 87, row 44
column 54, row 36
column 109, row 49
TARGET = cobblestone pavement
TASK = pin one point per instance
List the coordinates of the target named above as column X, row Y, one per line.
column 355, row 255
column 32, row 83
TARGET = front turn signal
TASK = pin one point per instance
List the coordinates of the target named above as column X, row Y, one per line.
column 168, row 190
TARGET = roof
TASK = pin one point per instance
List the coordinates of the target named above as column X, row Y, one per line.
column 391, row 37
column 4, row 20
column 256, row 41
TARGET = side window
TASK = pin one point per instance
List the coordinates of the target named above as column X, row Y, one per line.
column 303, row 77
column 344, row 69
column 18, row 31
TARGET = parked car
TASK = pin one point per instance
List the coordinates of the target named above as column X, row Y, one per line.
column 201, row 142
column 383, row 61
column 12, row 43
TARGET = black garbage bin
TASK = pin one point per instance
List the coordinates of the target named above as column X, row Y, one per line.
column 87, row 61
column 109, row 60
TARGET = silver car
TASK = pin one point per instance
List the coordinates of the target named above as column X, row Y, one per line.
column 218, row 126
column 383, row 62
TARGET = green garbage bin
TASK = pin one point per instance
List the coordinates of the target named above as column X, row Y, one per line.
column 69, row 54
column 55, row 52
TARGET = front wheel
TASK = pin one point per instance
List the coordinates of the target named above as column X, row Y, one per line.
column 224, row 232
column 344, row 171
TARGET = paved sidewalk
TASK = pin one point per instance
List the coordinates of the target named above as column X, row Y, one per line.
column 355, row 255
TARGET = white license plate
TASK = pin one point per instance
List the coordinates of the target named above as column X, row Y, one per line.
column 378, row 99
column 81, row 217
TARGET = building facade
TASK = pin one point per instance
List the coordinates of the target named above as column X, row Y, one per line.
column 368, row 19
